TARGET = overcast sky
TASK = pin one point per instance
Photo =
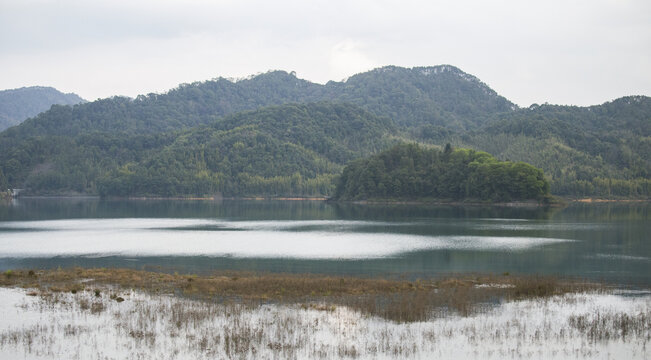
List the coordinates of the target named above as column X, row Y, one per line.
column 579, row 52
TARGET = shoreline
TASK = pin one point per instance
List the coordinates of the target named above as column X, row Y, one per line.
column 597, row 200
column 521, row 204
column 558, row 202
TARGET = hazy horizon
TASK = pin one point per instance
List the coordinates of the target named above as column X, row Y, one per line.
column 237, row 79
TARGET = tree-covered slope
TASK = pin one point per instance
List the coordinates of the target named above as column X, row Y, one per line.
column 602, row 150
column 292, row 149
column 409, row 171
column 54, row 164
column 286, row 128
column 16, row 105
column 440, row 95
column 286, row 150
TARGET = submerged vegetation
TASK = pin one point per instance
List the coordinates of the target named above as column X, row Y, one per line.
column 117, row 313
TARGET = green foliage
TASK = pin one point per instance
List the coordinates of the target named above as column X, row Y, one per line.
column 409, row 171
column 4, row 185
column 441, row 95
column 19, row 104
column 284, row 150
column 235, row 137
column 68, row 165
column 583, row 150
column 433, row 97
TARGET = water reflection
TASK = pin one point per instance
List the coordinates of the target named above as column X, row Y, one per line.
column 605, row 241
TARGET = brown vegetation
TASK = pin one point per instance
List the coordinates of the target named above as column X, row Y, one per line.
column 398, row 300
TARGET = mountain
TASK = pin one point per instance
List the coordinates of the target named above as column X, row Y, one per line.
column 292, row 149
column 441, row 96
column 601, row 150
column 275, row 134
column 19, row 104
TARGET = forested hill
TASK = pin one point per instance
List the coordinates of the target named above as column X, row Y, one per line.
column 440, row 95
column 273, row 134
column 288, row 150
column 412, row 172
column 16, row 105
column 602, row 150
column 291, row 149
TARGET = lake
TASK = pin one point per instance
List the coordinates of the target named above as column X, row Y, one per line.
column 608, row 241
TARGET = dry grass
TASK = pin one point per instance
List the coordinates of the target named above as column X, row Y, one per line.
column 117, row 313
column 610, row 326
column 397, row 300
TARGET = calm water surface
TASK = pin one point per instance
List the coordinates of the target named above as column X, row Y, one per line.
column 610, row 242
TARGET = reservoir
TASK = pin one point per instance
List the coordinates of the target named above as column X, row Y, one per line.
column 605, row 241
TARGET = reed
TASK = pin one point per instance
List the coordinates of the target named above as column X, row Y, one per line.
column 149, row 326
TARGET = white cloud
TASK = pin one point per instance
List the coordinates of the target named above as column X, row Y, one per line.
column 577, row 52
column 347, row 57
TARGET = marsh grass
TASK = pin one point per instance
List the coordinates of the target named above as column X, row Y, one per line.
column 604, row 326
column 392, row 299
column 148, row 326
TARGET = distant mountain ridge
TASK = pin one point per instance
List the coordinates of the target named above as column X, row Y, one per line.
column 17, row 105
column 440, row 95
